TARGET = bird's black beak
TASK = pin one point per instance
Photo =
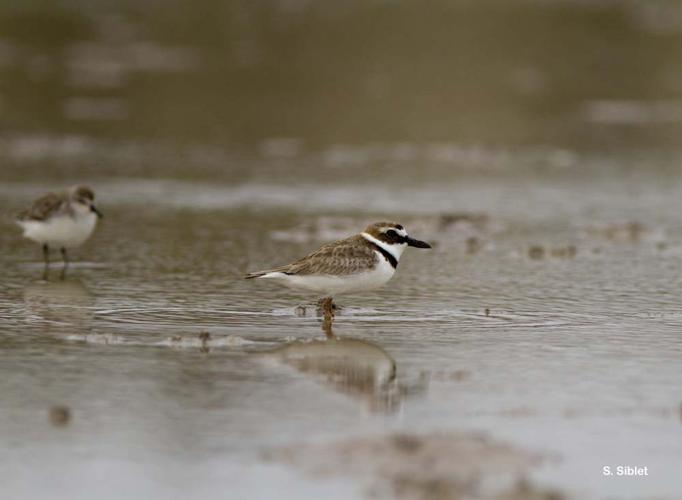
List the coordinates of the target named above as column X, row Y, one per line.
column 94, row 209
column 416, row 243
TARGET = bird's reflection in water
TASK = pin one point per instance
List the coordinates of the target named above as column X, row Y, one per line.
column 55, row 303
column 355, row 367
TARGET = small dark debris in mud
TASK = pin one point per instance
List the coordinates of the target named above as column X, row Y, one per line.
column 473, row 245
column 630, row 231
column 568, row 251
column 406, row 443
column 457, row 375
column 461, row 375
column 300, row 311
column 205, row 337
column 59, row 415
column 487, row 312
column 444, row 466
column 524, row 490
column 538, row 252
column 571, row 413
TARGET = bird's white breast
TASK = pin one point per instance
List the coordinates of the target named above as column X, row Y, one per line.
column 61, row 230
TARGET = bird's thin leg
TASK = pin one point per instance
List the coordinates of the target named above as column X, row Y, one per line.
column 327, row 328
column 65, row 257
column 327, row 306
column 46, row 258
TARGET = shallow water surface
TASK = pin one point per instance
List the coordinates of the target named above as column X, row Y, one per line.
column 546, row 316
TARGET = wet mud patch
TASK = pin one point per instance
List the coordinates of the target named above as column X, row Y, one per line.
column 442, row 465
column 204, row 341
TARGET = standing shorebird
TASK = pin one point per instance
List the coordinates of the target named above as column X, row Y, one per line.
column 61, row 220
column 361, row 262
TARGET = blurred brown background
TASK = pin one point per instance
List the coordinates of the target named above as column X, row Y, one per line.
column 584, row 74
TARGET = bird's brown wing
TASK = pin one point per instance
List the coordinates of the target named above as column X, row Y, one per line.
column 350, row 256
column 43, row 207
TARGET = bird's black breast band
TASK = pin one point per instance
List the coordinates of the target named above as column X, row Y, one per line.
column 387, row 255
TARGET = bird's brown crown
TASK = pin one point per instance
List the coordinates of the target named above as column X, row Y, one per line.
column 380, row 230
column 82, row 193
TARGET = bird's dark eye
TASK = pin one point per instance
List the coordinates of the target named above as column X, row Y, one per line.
column 391, row 233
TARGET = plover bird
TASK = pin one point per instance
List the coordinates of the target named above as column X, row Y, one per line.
column 361, row 262
column 61, row 220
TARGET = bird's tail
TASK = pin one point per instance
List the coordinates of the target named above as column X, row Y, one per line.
column 20, row 222
column 257, row 274
column 270, row 273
